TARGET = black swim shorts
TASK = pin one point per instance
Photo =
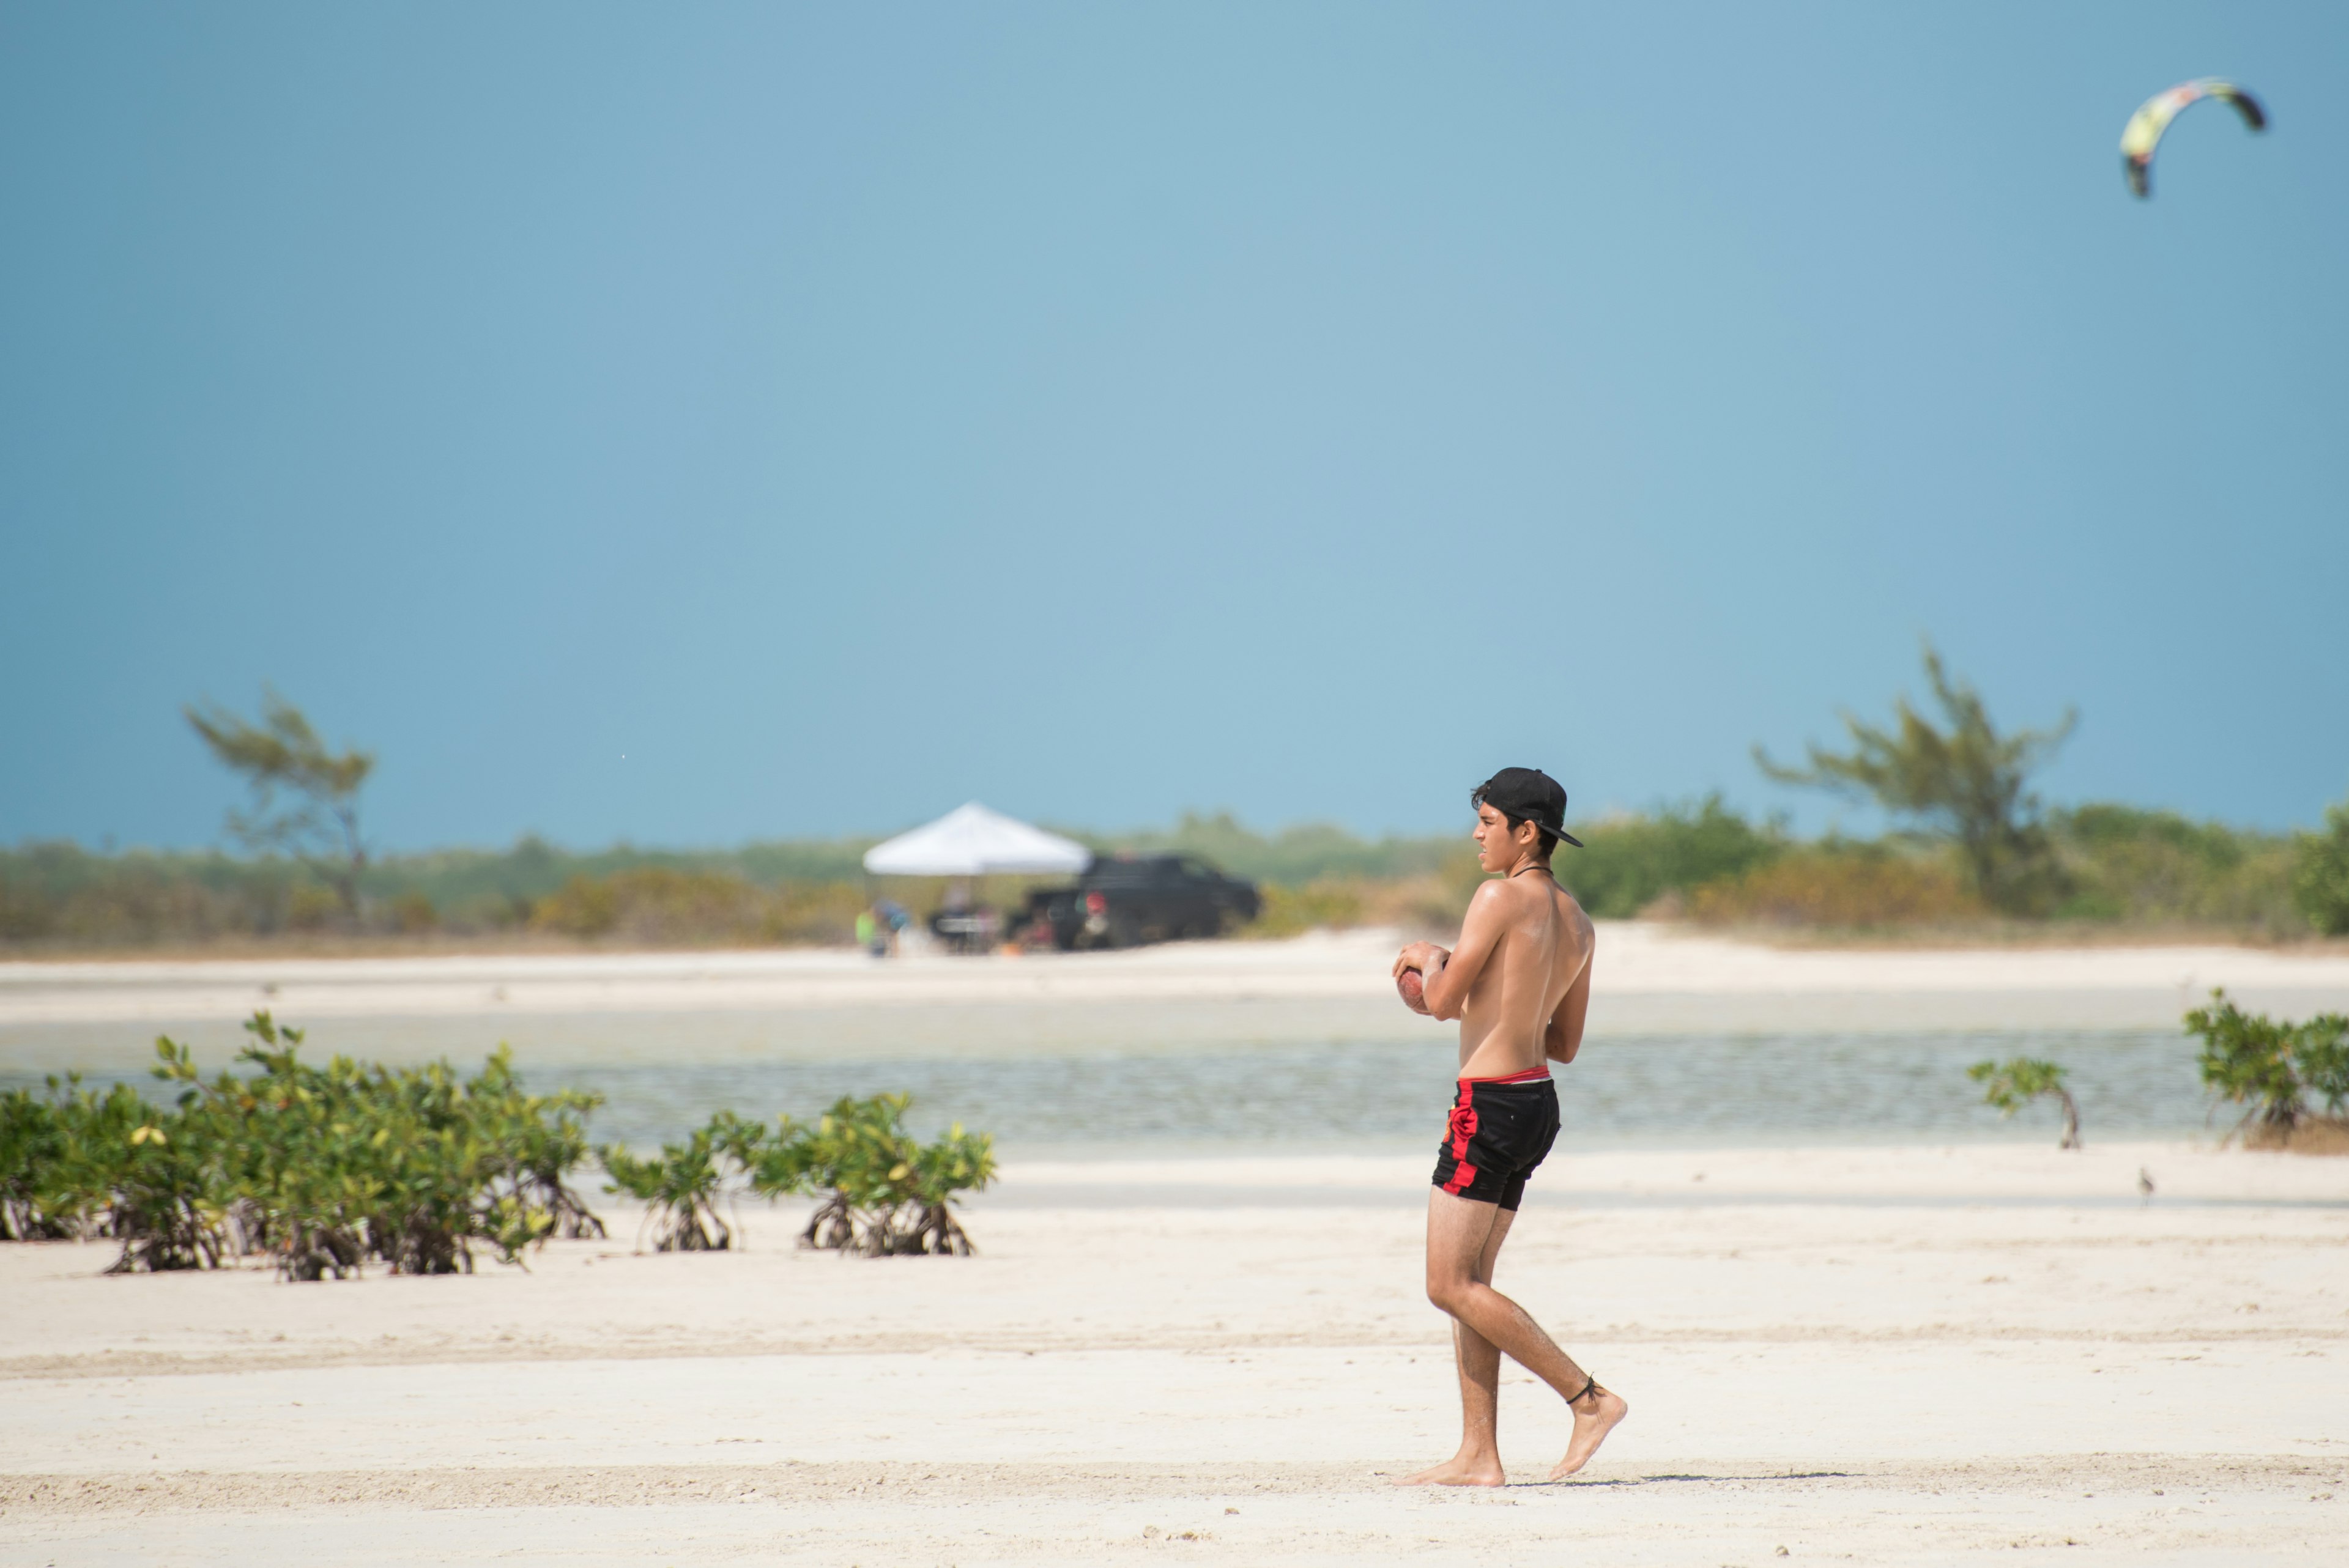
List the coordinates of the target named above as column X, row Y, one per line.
column 1500, row 1129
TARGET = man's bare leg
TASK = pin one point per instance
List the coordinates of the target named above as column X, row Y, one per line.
column 1457, row 1230
column 1478, row 1361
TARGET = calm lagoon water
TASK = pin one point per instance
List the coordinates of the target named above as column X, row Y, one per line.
column 1378, row 1094
column 1132, row 1096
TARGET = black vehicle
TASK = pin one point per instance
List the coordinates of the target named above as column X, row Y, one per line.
column 1126, row 900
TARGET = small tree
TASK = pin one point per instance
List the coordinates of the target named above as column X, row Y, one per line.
column 305, row 798
column 682, row 1186
column 2013, row 1084
column 31, row 1142
column 2320, row 873
column 884, row 1195
column 2272, row 1065
column 1965, row 782
column 324, row 1165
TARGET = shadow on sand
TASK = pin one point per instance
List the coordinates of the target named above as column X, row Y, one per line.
column 1659, row 1480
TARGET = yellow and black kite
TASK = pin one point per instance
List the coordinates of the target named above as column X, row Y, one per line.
column 2143, row 132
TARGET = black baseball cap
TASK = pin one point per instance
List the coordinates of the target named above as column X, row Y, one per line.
column 1523, row 794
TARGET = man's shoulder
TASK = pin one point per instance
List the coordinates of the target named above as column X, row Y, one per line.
column 1509, row 897
column 1578, row 919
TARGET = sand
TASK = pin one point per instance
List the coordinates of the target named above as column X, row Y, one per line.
column 1876, row 1356
column 1881, row 1356
column 1651, row 980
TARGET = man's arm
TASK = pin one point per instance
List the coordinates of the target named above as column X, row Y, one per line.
column 1564, row 1035
column 1446, row 978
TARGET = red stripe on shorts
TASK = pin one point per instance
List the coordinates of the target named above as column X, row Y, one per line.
column 1531, row 1075
column 1463, row 1129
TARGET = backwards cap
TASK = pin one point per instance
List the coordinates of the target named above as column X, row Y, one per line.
column 1526, row 794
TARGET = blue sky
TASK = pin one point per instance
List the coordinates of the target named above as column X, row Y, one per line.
column 691, row 424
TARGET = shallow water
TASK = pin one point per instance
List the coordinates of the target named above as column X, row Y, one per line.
column 1385, row 1094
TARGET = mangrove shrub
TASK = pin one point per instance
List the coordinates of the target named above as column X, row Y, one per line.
column 879, row 1192
column 682, row 1187
column 2273, row 1067
column 2013, row 1084
column 883, row 1194
column 320, row 1167
column 327, row 1167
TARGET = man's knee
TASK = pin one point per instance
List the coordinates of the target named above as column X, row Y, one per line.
column 1449, row 1292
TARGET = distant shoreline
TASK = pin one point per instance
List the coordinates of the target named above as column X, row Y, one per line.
column 1651, row 980
column 1972, row 937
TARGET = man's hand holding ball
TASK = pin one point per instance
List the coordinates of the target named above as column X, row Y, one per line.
column 1411, row 967
column 1413, row 993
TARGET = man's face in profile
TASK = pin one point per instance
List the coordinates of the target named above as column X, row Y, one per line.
column 1498, row 846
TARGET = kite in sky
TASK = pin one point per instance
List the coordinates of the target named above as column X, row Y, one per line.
column 2143, row 132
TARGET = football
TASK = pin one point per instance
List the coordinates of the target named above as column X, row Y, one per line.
column 1413, row 992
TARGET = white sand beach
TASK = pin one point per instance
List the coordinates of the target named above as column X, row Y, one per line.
column 1883, row 1355
column 1651, row 980
column 1912, row 1356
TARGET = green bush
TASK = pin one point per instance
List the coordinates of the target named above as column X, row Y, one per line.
column 1627, row 863
column 118, row 1167
column 1849, row 886
column 2272, row 1066
column 879, row 1192
column 661, row 906
column 168, row 1208
column 681, row 1189
column 2013, row 1084
column 31, row 1146
column 412, row 1166
column 1292, row 911
column 2100, row 862
column 326, row 1167
column 1292, row 856
column 2158, row 868
column 319, row 1167
column 884, row 1195
column 82, row 1164
column 59, row 894
column 656, row 902
column 2320, row 873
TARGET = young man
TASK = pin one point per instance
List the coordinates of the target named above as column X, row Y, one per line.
column 1519, row 983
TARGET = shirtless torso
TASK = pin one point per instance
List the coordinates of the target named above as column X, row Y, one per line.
column 1519, row 985
column 1519, row 982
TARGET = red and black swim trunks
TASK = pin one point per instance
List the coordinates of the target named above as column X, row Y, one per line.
column 1500, row 1129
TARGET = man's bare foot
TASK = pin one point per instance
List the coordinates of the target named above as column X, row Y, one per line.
column 1460, row 1470
column 1595, row 1415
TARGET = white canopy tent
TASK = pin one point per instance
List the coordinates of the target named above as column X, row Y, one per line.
column 971, row 842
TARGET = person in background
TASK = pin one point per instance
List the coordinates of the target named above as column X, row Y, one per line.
column 895, row 918
column 868, row 934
